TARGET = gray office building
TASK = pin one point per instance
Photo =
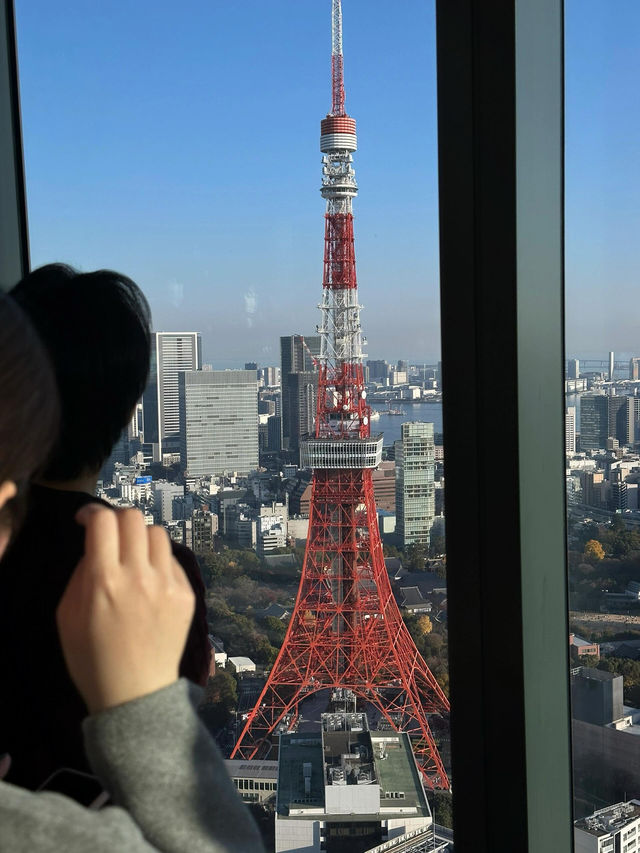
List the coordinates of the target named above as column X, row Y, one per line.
column 415, row 489
column 219, row 410
column 603, row 417
column 596, row 696
column 621, row 418
column 171, row 353
column 594, row 421
column 299, row 379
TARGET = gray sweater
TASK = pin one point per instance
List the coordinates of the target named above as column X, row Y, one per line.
column 166, row 776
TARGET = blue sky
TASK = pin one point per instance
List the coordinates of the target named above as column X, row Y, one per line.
column 603, row 175
column 183, row 151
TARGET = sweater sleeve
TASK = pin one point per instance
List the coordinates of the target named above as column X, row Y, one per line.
column 49, row 823
column 159, row 763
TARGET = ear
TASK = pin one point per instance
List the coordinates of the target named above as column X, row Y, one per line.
column 8, row 490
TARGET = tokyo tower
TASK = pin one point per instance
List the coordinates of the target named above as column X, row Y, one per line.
column 346, row 630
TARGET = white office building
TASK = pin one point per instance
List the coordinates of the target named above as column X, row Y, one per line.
column 164, row 494
column 415, row 488
column 615, row 829
column 171, row 353
column 219, row 410
column 570, row 430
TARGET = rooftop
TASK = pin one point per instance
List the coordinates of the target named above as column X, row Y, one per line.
column 579, row 641
column 400, row 783
column 411, row 596
column 596, row 674
column 298, row 754
column 346, row 770
column 241, row 661
column 610, row 820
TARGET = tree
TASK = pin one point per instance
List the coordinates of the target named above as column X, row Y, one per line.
column 436, row 546
column 593, row 551
column 276, row 629
column 620, row 546
column 220, row 700
column 617, row 523
column 424, row 625
column 442, row 808
column 416, row 556
column 222, row 689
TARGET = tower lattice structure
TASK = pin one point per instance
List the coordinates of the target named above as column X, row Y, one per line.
column 346, row 630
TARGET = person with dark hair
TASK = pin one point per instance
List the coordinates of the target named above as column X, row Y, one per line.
column 96, row 329
column 123, row 620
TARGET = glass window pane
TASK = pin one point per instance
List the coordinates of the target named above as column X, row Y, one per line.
column 602, row 416
column 185, row 150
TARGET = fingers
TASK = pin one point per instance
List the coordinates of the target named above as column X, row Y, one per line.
column 101, row 540
column 134, row 542
column 159, row 546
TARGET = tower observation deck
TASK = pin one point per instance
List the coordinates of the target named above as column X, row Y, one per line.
column 346, row 630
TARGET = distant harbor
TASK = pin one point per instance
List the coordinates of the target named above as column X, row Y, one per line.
column 410, row 410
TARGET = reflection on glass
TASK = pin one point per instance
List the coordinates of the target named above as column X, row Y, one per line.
column 603, row 419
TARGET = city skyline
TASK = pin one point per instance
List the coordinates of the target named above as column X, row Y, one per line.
column 127, row 166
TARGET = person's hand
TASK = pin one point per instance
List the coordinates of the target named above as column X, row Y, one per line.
column 124, row 617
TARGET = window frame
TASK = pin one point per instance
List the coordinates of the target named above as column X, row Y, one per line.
column 500, row 115
column 500, row 149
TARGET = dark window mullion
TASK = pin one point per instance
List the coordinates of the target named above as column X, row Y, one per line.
column 14, row 246
column 488, row 94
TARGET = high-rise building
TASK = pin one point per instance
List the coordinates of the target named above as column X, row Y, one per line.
column 299, row 380
column 378, row 370
column 634, row 369
column 570, row 429
column 250, row 365
column 635, row 407
column 594, row 421
column 621, row 417
column 219, row 410
column 270, row 376
column 274, row 433
column 415, row 490
column 171, row 353
column 299, row 398
column 612, row 365
column 573, row 368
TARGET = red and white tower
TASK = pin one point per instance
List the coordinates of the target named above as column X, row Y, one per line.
column 346, row 630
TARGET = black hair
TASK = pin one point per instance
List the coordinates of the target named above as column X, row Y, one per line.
column 96, row 329
column 28, row 406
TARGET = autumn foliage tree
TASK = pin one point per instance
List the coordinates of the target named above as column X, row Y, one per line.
column 424, row 625
column 593, row 551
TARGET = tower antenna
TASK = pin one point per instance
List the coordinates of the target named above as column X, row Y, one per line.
column 337, row 62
